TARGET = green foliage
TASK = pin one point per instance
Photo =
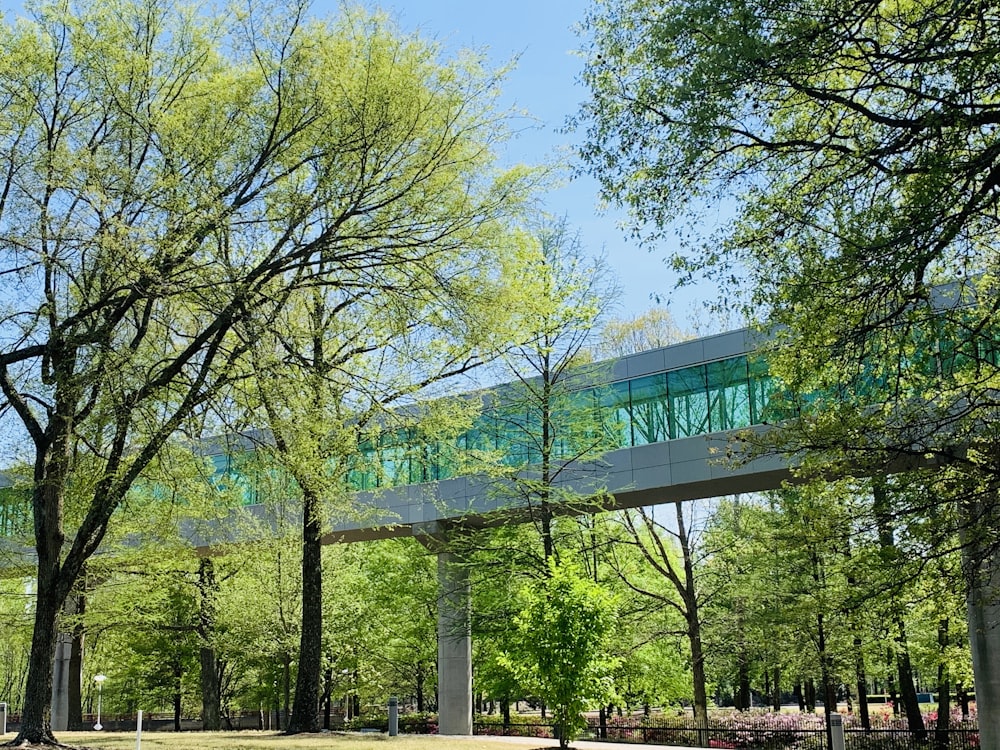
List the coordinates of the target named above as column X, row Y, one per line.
column 854, row 149
column 854, row 153
column 560, row 655
column 15, row 621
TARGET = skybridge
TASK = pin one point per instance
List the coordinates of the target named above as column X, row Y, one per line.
column 668, row 416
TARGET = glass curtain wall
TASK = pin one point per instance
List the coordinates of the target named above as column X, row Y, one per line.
column 725, row 395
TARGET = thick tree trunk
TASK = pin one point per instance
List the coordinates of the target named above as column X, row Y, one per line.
column 305, row 714
column 908, row 690
column 776, row 690
column 36, row 725
column 743, row 681
column 54, row 582
column 211, row 698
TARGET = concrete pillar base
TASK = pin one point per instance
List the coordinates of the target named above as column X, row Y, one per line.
column 454, row 647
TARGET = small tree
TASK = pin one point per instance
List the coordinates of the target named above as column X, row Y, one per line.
column 560, row 655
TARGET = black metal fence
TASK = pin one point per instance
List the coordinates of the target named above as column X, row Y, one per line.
column 904, row 739
column 786, row 737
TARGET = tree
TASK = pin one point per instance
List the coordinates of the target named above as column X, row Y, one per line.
column 164, row 175
column 547, row 420
column 323, row 381
column 649, row 330
column 655, row 543
column 560, row 653
column 860, row 145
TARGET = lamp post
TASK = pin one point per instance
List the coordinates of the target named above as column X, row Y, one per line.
column 99, row 679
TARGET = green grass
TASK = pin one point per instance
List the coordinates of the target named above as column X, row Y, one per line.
column 253, row 740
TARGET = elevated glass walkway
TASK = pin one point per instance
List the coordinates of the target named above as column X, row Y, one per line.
column 663, row 416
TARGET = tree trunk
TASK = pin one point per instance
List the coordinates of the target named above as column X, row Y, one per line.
column 861, row 680
column 891, row 680
column 327, row 696
column 914, row 719
column 54, row 580
column 177, row 695
column 306, row 707
column 981, row 564
column 810, row 696
column 36, row 725
column 829, row 690
column 211, row 698
column 692, row 616
column 546, row 458
column 743, row 681
column 962, row 695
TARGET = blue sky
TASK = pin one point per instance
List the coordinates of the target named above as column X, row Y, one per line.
column 545, row 84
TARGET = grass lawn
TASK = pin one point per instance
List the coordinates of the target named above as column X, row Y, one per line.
column 251, row 740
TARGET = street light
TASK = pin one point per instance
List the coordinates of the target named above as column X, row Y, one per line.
column 99, row 679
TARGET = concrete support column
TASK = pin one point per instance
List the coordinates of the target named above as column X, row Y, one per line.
column 982, row 563
column 60, row 682
column 454, row 647
column 65, row 684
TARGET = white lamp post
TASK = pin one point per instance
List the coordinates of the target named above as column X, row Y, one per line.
column 99, row 679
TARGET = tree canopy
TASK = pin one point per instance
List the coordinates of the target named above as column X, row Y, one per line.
column 854, row 149
column 164, row 174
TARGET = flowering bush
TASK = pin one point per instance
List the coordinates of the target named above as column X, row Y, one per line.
column 727, row 730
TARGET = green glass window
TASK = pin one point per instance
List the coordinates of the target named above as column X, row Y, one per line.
column 15, row 511
column 395, row 463
column 648, row 412
column 362, row 474
column 762, row 388
column 576, row 424
column 728, row 394
column 483, row 434
column 688, row 402
column 613, row 410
